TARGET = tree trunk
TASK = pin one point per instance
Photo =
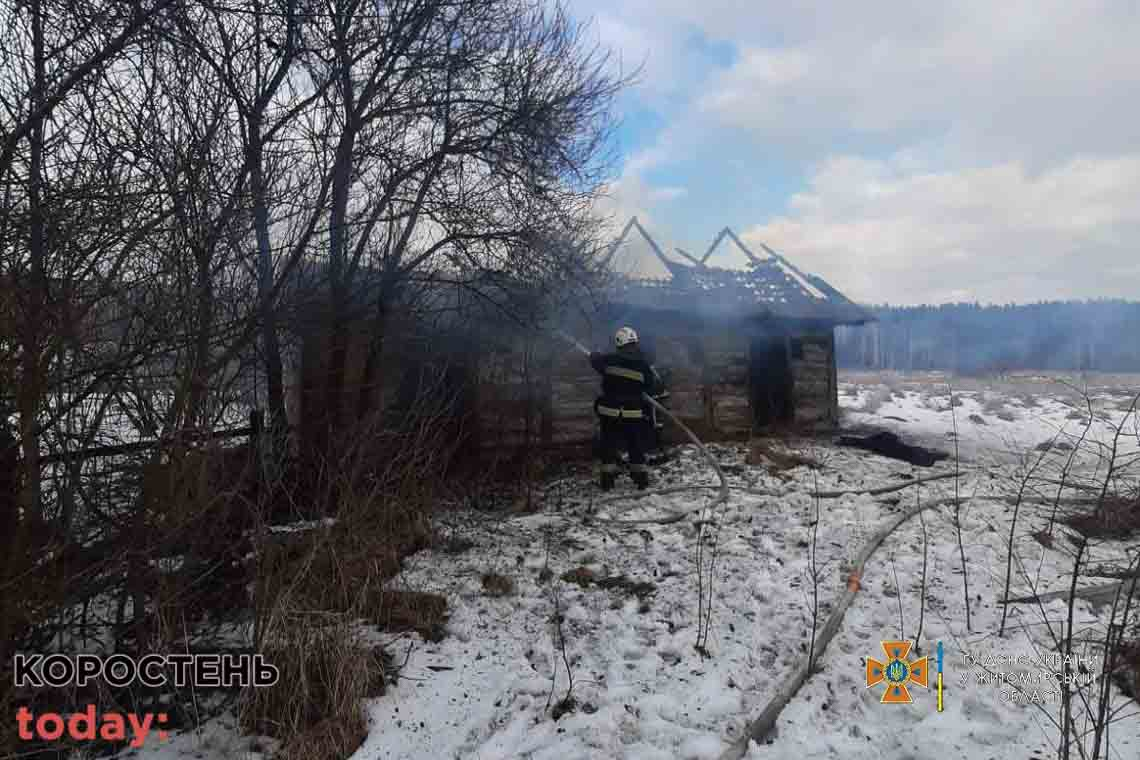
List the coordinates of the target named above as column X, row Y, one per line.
column 367, row 401
column 192, row 413
column 31, row 386
column 11, row 527
column 338, row 293
column 274, row 371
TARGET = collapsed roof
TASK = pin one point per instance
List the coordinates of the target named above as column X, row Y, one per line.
column 729, row 282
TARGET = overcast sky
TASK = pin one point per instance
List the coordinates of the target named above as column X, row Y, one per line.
column 906, row 152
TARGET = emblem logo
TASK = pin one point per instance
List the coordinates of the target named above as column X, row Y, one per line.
column 897, row 672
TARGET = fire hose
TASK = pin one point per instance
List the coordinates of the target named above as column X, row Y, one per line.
column 722, row 494
column 761, row 727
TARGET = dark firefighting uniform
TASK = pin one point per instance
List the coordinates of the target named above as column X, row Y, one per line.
column 625, row 416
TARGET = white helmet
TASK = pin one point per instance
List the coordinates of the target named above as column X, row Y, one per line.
column 625, row 337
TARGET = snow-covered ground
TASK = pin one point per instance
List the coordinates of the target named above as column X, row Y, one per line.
column 641, row 688
column 995, row 419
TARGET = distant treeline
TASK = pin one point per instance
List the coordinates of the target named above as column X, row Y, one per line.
column 1101, row 335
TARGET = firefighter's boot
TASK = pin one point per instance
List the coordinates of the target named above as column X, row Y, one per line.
column 609, row 475
column 640, row 479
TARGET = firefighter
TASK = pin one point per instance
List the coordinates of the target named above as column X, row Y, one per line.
column 624, row 414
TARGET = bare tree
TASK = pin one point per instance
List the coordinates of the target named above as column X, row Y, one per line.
column 96, row 33
column 460, row 133
column 167, row 171
column 255, row 56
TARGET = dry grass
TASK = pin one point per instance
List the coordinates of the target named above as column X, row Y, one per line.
column 326, row 671
column 497, row 584
column 453, row 544
column 640, row 589
column 331, row 739
column 314, row 586
column 10, row 743
column 341, row 567
column 1126, row 668
column 1115, row 518
column 398, row 611
column 776, row 457
column 586, row 578
column 337, row 568
column 583, row 576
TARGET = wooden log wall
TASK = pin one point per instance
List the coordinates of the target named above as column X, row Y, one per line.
column 708, row 386
column 409, row 368
column 816, row 387
column 535, row 391
column 512, row 394
column 574, row 386
column 306, row 394
column 723, row 389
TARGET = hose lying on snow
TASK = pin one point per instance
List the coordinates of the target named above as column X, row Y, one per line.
column 722, row 495
column 760, row 728
column 877, row 491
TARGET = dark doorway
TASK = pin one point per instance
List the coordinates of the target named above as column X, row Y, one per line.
column 770, row 381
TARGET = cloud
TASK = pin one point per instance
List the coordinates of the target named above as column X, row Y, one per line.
column 665, row 194
column 905, row 151
column 882, row 230
column 630, row 195
column 630, row 43
column 1037, row 80
column 645, row 160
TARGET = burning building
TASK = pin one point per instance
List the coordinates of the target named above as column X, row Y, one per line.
column 745, row 341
